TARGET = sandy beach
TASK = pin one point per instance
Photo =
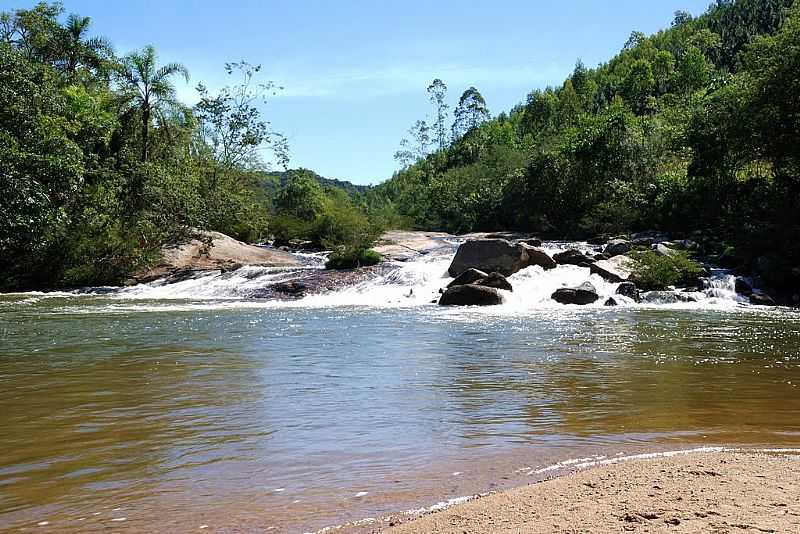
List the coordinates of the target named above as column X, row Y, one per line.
column 703, row 492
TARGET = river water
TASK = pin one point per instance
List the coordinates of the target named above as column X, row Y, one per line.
column 188, row 407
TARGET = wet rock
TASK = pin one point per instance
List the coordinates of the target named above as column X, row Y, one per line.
column 762, row 299
column 581, row 295
column 629, row 289
column 573, row 257
column 616, row 269
column 534, row 242
column 666, row 297
column 495, row 280
column 743, row 287
column 610, row 302
column 471, row 295
column 498, row 255
column 468, row 277
column 616, row 247
column 295, row 289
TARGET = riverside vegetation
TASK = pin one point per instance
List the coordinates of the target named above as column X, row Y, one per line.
column 691, row 131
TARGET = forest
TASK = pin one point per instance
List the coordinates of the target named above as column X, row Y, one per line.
column 693, row 130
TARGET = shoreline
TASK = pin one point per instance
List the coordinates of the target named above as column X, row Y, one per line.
column 713, row 489
column 702, row 489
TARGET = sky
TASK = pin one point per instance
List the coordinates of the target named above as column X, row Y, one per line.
column 355, row 72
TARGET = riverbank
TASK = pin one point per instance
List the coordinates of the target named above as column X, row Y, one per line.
column 702, row 492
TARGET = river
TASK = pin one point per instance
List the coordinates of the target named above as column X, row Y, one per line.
column 190, row 407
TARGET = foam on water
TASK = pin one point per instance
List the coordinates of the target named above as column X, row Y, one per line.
column 405, row 284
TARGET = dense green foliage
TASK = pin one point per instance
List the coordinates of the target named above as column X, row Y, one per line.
column 100, row 164
column 653, row 271
column 694, row 128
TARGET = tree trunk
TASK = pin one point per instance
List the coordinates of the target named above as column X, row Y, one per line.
column 145, row 133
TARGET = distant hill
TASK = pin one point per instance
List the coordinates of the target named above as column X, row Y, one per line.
column 350, row 187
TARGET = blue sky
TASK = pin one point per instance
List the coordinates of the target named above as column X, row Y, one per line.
column 355, row 71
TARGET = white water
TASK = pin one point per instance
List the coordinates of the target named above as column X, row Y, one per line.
column 417, row 283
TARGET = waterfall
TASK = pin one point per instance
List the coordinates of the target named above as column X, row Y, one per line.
column 418, row 282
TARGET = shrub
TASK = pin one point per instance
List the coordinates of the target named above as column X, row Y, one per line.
column 351, row 259
column 653, row 272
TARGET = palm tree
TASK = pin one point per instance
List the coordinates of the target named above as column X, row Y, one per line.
column 78, row 51
column 148, row 89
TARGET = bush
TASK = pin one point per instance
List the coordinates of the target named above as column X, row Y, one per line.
column 351, row 259
column 653, row 272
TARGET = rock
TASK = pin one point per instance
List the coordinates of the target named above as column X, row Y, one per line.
column 666, row 297
column 211, row 251
column 610, row 302
column 468, row 277
column 295, row 289
column 597, row 240
column 743, row 287
column 663, row 250
column 533, row 242
column 616, row 269
column 471, row 295
column 761, row 299
column 629, row 289
column 581, row 295
column 495, row 280
column 642, row 242
column 403, row 245
column 616, row 247
column 498, row 255
column 536, row 256
column 600, row 256
column 572, row 257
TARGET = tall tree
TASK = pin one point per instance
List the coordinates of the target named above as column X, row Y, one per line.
column 470, row 113
column 79, row 51
column 230, row 122
column 438, row 93
column 148, row 88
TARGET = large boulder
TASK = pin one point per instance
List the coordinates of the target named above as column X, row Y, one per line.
column 471, row 295
column 468, row 277
column 616, row 247
column 498, row 255
column 743, row 287
column 617, row 269
column 209, row 251
column 661, row 249
column 629, row 289
column 581, row 295
column 572, row 257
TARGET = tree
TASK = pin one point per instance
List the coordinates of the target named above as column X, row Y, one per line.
column 147, row 89
column 470, row 113
column 230, row 122
column 409, row 153
column 78, row 51
column 438, row 93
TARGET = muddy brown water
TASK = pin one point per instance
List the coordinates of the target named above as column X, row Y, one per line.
column 226, row 416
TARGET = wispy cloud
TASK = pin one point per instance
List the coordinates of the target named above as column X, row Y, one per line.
column 408, row 78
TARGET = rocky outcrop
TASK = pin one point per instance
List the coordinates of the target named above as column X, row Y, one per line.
column 610, row 302
column 616, row 247
column 616, row 269
column 498, row 255
column 471, row 295
column 573, row 257
column 581, row 295
column 213, row 251
column 629, row 289
column 402, row 245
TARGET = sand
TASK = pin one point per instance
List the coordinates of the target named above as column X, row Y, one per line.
column 733, row 492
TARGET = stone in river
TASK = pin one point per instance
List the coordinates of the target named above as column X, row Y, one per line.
column 471, row 295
